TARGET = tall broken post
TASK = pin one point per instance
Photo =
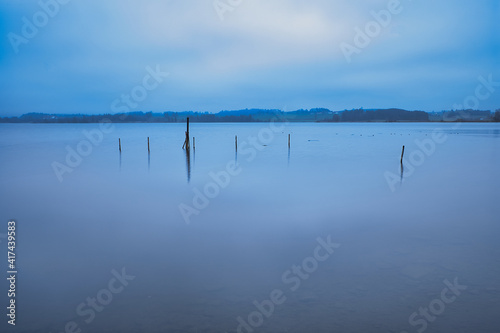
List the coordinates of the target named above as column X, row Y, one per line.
column 186, row 141
column 187, row 134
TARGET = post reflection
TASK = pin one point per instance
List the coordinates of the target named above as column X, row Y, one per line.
column 402, row 173
column 188, row 164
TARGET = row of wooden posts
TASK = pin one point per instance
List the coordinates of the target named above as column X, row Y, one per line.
column 120, row 145
column 235, row 143
column 186, row 144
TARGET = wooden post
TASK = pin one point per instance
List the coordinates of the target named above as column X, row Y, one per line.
column 236, row 142
column 120, row 145
column 402, row 154
column 148, row 145
column 288, row 141
column 194, row 143
column 187, row 134
column 186, row 141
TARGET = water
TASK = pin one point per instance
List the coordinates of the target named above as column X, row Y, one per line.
column 396, row 240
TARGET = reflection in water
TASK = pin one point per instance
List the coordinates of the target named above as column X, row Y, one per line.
column 188, row 163
column 402, row 168
column 288, row 156
column 149, row 161
column 402, row 171
column 120, row 160
column 442, row 224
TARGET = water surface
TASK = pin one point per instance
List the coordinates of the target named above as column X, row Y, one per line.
column 400, row 238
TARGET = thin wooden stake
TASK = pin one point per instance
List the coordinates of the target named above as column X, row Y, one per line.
column 236, row 142
column 402, row 154
column 288, row 141
column 120, row 145
column 186, row 140
column 194, row 143
column 187, row 135
column 148, row 146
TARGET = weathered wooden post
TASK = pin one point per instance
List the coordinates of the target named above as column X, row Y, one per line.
column 186, row 141
column 288, row 141
column 187, row 133
column 402, row 154
column 120, row 145
column 148, row 146
column 194, row 143
column 236, row 142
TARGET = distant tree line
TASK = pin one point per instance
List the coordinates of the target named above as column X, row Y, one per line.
column 382, row 115
column 467, row 115
column 497, row 116
column 261, row 115
column 132, row 117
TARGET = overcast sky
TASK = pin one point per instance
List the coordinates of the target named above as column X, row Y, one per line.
column 284, row 54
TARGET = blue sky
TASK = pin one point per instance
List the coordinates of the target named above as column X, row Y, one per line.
column 283, row 54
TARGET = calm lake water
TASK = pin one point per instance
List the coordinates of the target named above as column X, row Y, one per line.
column 220, row 241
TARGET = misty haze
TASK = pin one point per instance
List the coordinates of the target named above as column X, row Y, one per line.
column 249, row 166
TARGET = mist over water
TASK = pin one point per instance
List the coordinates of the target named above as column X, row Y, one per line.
column 399, row 239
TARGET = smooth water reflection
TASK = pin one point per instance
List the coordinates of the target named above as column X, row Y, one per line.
column 397, row 247
column 188, row 164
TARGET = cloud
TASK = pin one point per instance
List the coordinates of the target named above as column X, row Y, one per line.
column 273, row 52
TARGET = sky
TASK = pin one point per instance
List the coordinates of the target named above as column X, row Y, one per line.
column 95, row 57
